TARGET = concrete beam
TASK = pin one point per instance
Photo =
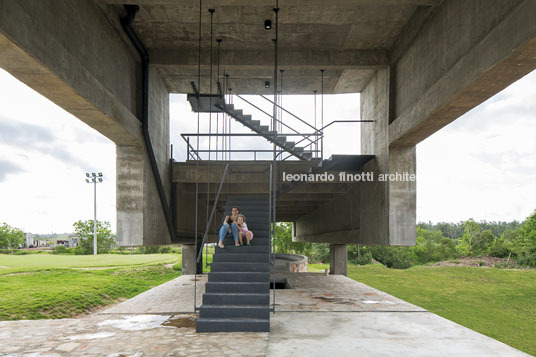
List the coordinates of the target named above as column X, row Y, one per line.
column 254, row 59
column 478, row 49
column 96, row 82
column 298, row 3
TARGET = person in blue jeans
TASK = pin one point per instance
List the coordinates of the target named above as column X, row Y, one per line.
column 229, row 226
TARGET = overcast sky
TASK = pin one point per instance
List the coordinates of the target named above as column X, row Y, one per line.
column 482, row 166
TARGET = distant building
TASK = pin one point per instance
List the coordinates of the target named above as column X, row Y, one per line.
column 28, row 240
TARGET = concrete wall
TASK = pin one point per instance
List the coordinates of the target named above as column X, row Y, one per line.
column 336, row 221
column 76, row 55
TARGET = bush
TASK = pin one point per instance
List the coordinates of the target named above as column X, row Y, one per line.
column 61, row 249
column 164, row 249
column 393, row 257
column 527, row 260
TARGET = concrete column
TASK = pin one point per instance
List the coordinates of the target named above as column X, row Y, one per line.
column 140, row 218
column 339, row 259
column 189, row 256
column 388, row 208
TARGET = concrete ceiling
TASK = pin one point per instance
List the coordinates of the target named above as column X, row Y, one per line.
column 349, row 39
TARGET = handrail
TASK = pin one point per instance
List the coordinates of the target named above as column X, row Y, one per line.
column 295, row 116
column 189, row 146
column 325, row 126
column 277, row 120
column 212, row 213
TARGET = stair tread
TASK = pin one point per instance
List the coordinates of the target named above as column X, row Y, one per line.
column 223, row 306
column 231, row 319
column 240, row 294
column 238, row 282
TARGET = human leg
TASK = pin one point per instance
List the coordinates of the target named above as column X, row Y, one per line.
column 234, row 230
column 222, row 233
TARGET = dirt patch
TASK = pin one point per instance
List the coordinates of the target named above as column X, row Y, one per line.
column 95, row 268
column 484, row 262
column 1, row 266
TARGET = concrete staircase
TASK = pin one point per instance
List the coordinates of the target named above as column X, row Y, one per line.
column 237, row 294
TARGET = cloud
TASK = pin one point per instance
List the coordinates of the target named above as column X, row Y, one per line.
column 21, row 134
column 28, row 137
column 7, row 168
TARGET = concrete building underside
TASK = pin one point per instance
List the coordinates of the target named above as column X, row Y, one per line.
column 418, row 65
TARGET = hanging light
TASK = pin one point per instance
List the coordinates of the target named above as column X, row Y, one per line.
column 267, row 84
column 268, row 24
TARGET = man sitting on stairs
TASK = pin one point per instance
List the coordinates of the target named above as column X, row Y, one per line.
column 229, row 226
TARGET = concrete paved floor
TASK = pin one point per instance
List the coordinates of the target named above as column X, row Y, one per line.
column 321, row 316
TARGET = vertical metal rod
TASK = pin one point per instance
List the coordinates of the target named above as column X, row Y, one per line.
column 316, row 137
column 322, row 119
column 211, row 11
column 230, row 137
column 197, row 148
column 94, row 216
column 218, row 40
column 272, row 224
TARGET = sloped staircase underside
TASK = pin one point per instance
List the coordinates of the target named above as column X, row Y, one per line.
column 205, row 102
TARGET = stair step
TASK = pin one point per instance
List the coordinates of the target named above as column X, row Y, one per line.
column 247, row 118
column 231, row 249
column 258, row 258
column 236, row 299
column 264, row 129
column 234, row 266
column 239, row 276
column 237, row 287
column 255, row 123
column 232, row 325
column 234, row 311
column 290, row 144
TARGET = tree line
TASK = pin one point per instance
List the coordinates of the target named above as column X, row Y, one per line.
column 515, row 241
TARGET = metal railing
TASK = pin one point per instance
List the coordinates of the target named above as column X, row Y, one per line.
column 271, row 242
column 205, row 235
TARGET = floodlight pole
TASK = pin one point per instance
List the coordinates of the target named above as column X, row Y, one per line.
column 95, row 217
column 94, row 178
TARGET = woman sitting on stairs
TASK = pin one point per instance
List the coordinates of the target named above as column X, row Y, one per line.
column 229, row 226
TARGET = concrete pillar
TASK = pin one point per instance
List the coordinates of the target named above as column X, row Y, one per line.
column 140, row 218
column 339, row 259
column 189, row 256
column 388, row 208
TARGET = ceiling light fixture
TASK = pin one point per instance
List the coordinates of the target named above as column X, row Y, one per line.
column 268, row 24
column 267, row 84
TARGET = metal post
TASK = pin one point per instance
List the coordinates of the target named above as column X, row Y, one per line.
column 322, row 119
column 95, row 217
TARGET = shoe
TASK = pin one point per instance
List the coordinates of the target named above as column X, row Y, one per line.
column 220, row 244
column 249, row 244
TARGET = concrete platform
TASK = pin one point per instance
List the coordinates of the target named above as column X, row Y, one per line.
column 322, row 315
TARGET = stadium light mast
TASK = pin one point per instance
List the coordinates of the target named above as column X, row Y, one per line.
column 94, row 178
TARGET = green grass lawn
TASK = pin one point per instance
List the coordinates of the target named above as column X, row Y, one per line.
column 499, row 303
column 52, row 286
column 33, row 262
